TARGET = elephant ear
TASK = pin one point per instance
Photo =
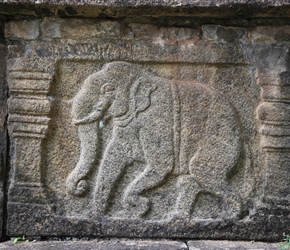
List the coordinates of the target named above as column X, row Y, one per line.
column 140, row 92
column 143, row 90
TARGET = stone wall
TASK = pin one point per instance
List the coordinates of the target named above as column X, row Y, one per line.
column 173, row 125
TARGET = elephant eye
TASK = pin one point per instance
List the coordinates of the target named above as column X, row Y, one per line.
column 108, row 88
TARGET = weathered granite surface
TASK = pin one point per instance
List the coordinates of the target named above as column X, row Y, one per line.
column 148, row 119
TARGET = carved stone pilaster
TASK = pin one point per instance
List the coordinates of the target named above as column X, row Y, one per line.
column 29, row 108
column 274, row 116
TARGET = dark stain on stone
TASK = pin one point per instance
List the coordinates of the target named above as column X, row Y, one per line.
column 70, row 11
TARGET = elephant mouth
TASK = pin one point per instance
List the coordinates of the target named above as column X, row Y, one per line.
column 97, row 116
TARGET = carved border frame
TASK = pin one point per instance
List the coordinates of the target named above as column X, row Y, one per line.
column 29, row 109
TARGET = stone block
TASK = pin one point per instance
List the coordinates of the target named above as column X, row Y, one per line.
column 143, row 31
column 26, row 30
column 228, row 34
column 270, row 34
column 79, row 28
column 179, row 34
column 50, row 28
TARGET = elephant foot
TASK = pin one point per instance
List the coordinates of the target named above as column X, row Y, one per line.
column 100, row 204
column 231, row 211
column 135, row 206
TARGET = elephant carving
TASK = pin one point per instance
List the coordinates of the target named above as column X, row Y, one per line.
column 174, row 127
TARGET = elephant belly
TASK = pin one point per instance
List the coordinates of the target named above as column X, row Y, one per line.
column 156, row 128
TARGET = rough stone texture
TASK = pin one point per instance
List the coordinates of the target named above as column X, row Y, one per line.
column 231, row 245
column 67, row 28
column 114, row 244
column 123, row 244
column 3, row 128
column 26, row 30
column 172, row 3
column 229, row 34
column 117, row 8
column 147, row 127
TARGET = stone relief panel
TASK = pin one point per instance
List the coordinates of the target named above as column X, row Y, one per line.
column 166, row 126
column 131, row 135
column 138, row 136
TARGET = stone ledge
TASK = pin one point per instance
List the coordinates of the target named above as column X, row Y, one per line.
column 114, row 244
column 118, row 8
column 130, row 244
column 231, row 245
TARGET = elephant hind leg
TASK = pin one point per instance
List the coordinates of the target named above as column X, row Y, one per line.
column 232, row 202
column 188, row 189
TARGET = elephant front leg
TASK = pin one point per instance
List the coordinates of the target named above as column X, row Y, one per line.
column 112, row 165
column 134, row 203
column 158, row 155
